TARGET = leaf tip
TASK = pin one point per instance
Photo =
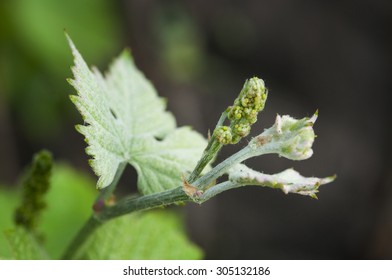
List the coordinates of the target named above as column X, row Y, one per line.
column 313, row 119
column 70, row 81
column 73, row 98
column 77, row 56
column 101, row 184
column 78, row 128
column 127, row 53
column 330, row 179
column 70, row 42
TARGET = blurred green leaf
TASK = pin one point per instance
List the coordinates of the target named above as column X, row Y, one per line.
column 39, row 25
column 181, row 44
column 148, row 235
column 36, row 183
column 34, row 58
column 8, row 202
column 69, row 203
column 23, row 245
column 68, row 206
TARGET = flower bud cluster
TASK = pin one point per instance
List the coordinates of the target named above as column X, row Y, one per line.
column 243, row 113
column 223, row 134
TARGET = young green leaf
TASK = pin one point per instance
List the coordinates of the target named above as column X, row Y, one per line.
column 147, row 235
column 126, row 121
column 24, row 246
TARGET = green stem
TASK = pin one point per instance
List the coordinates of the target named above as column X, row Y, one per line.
column 132, row 204
column 209, row 153
column 217, row 189
column 79, row 242
column 223, row 167
column 107, row 192
column 212, row 149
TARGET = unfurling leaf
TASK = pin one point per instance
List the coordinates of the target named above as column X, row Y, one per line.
column 288, row 137
column 126, row 121
column 289, row 180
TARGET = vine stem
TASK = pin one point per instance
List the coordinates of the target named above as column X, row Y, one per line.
column 171, row 196
column 219, row 188
column 132, row 204
column 107, row 192
column 223, row 167
column 77, row 245
column 209, row 153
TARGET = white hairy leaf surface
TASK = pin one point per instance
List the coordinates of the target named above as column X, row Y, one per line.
column 126, row 121
column 289, row 180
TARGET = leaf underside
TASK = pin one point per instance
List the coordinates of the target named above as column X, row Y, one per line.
column 126, row 121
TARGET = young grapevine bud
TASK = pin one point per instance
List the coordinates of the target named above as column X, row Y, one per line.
column 223, row 135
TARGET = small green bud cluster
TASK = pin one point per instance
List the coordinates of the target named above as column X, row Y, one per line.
column 223, row 134
column 243, row 113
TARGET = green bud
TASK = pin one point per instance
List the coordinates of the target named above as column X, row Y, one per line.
column 223, row 135
column 252, row 93
column 253, row 97
column 241, row 129
column 235, row 113
column 235, row 139
column 243, row 113
column 253, row 88
column 250, row 115
column 245, row 101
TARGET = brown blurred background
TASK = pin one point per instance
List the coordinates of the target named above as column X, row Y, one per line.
column 334, row 56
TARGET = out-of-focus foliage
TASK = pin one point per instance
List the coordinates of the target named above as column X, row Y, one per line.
column 68, row 207
column 34, row 58
column 150, row 235
column 8, row 202
column 180, row 45
column 23, row 245
column 35, row 185
column 155, row 235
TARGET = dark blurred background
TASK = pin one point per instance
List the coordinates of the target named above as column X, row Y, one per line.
column 334, row 56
